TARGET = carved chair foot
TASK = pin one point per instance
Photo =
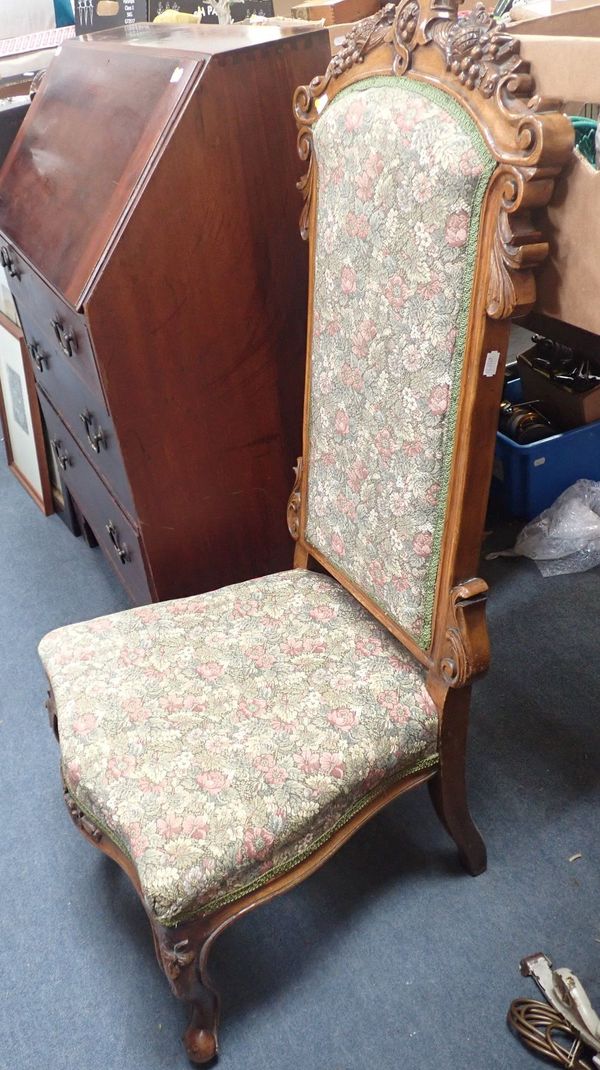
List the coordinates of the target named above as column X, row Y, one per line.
column 200, row 1043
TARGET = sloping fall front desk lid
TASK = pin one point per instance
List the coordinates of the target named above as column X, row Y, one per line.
column 87, row 144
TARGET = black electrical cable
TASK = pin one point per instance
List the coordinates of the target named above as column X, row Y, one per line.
column 538, row 1026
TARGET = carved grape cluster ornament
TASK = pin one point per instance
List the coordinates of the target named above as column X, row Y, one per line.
column 479, row 53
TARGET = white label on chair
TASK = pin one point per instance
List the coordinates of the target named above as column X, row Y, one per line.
column 491, row 363
column 320, row 102
column 176, row 76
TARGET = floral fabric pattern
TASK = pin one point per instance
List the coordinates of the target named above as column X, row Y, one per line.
column 401, row 175
column 221, row 737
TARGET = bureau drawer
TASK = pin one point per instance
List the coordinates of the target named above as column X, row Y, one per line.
column 115, row 534
column 60, row 332
column 84, row 413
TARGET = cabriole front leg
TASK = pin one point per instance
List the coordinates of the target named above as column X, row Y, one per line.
column 184, row 956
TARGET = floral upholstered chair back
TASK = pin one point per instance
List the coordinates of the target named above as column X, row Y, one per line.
column 401, row 175
column 426, row 149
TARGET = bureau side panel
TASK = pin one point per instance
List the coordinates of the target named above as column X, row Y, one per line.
column 199, row 323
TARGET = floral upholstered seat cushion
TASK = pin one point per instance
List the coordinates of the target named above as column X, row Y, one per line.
column 401, row 174
column 219, row 739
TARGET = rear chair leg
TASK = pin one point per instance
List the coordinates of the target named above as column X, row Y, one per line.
column 448, row 787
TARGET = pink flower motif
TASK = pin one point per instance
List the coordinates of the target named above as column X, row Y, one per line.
column 423, row 543
column 363, row 337
column 377, row 575
column 364, row 187
column 332, row 765
column 357, row 226
column 432, row 494
column 469, row 163
column 413, row 449
column 373, row 778
column 337, row 175
column 374, row 164
column 396, row 292
column 276, row 776
column 322, row 613
column 308, row 761
column 84, row 725
column 345, row 506
column 457, row 229
column 245, row 607
column 73, row 773
column 121, row 767
column 194, row 827
column 210, row 670
column 136, row 710
column 213, row 781
column 337, row 544
column 342, row 718
column 251, row 708
column 149, row 787
column 334, row 326
column 439, row 399
column 405, row 121
column 432, row 288
column 176, row 703
column 261, row 657
column 388, row 699
column 354, row 114
column 138, row 841
column 352, row 377
column 422, row 189
column 170, row 827
column 400, row 583
column 400, row 714
column 257, row 844
column 384, row 444
column 357, row 473
column 348, row 277
column 279, row 725
column 342, row 423
column 369, row 648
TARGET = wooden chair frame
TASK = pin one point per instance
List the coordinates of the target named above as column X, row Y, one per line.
column 479, row 66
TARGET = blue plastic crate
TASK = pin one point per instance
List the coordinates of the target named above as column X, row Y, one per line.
column 527, row 479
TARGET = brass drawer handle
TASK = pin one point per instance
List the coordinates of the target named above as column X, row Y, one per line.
column 95, row 435
column 65, row 337
column 120, row 548
column 8, row 263
column 38, row 356
column 61, row 455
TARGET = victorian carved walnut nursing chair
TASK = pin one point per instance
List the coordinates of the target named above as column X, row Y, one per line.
column 220, row 748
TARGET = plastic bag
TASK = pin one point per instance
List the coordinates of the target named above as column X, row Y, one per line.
column 566, row 537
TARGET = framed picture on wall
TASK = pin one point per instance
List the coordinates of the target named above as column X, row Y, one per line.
column 20, row 417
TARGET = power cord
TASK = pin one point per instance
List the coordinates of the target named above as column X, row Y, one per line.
column 537, row 1025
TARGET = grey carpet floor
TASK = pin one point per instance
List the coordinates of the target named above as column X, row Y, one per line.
column 390, row 956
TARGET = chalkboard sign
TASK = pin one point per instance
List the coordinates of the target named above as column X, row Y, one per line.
column 87, row 19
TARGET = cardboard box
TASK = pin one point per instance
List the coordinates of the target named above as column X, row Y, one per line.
column 565, row 66
column 335, row 11
column 94, row 15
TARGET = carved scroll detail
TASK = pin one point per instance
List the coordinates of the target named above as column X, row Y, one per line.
column 466, row 648
column 477, row 62
column 80, row 819
column 293, row 506
column 175, row 957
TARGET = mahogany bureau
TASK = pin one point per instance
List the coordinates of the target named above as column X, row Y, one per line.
column 149, row 226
